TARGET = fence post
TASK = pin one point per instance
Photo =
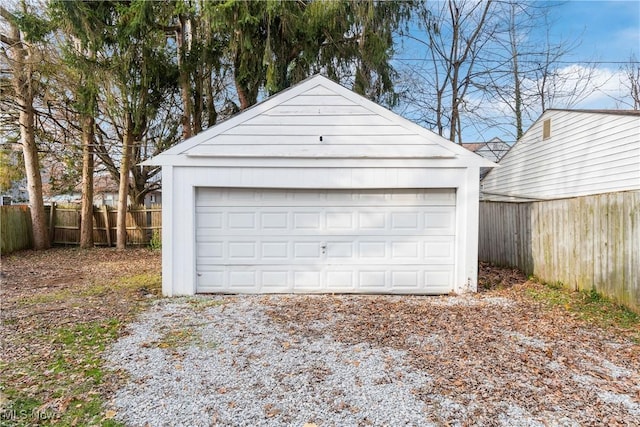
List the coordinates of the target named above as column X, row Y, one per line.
column 52, row 223
column 105, row 212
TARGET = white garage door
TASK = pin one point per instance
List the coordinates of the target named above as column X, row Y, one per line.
column 369, row 241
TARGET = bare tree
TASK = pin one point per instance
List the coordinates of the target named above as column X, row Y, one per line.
column 455, row 33
column 631, row 81
column 490, row 65
column 527, row 77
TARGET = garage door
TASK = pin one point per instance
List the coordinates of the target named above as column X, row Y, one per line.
column 368, row 241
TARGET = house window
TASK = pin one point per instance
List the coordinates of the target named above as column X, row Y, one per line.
column 546, row 129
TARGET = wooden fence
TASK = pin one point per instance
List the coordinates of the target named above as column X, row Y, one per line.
column 143, row 225
column 15, row 228
column 590, row 242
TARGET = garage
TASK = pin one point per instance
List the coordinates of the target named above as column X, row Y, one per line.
column 319, row 190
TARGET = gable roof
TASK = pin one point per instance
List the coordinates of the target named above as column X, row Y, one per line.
column 317, row 118
column 581, row 152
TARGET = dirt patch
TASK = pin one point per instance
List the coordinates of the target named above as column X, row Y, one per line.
column 59, row 308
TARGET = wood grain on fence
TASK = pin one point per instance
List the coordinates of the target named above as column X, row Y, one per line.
column 590, row 242
column 15, row 228
column 64, row 225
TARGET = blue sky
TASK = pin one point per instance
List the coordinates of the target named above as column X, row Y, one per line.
column 608, row 30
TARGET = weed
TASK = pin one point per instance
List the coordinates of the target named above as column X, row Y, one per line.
column 589, row 306
column 200, row 303
column 155, row 243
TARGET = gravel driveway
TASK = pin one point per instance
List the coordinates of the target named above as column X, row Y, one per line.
column 370, row 360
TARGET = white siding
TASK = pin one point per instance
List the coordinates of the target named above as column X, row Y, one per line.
column 319, row 123
column 587, row 153
column 319, row 119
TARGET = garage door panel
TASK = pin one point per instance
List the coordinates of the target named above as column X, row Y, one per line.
column 377, row 241
column 405, row 251
column 340, row 221
column 307, row 250
column 341, row 280
column 375, row 280
column 405, row 280
column 439, row 279
column 274, row 250
column 440, row 221
column 439, row 251
column 242, row 251
column 274, row 220
column 242, row 279
column 405, row 221
column 374, row 250
column 241, row 220
column 309, row 280
column 210, row 219
column 372, row 220
column 340, row 250
column 210, row 250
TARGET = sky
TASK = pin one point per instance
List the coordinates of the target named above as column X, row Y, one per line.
column 604, row 34
column 608, row 33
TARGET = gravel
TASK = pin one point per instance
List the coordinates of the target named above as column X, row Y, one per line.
column 239, row 369
column 246, row 360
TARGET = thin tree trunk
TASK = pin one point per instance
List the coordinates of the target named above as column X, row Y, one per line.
column 517, row 90
column 86, row 226
column 123, row 190
column 212, row 114
column 183, row 77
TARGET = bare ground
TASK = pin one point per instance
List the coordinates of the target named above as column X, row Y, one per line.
column 498, row 351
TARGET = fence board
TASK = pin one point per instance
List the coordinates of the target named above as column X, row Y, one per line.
column 15, row 228
column 590, row 242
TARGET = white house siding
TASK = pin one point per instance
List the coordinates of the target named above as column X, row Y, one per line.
column 587, row 153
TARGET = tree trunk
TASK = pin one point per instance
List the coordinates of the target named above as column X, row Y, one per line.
column 86, row 226
column 123, row 190
column 21, row 61
column 212, row 114
column 517, row 90
column 183, row 76
column 34, row 179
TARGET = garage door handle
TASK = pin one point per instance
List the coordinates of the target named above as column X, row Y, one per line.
column 324, row 248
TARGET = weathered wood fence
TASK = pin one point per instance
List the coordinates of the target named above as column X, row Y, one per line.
column 15, row 228
column 144, row 224
column 590, row 242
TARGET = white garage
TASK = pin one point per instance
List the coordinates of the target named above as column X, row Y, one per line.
column 318, row 189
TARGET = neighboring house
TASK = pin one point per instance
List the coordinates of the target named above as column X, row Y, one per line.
column 153, row 198
column 63, row 199
column 564, row 203
column 318, row 189
column 105, row 192
column 493, row 150
column 569, row 153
